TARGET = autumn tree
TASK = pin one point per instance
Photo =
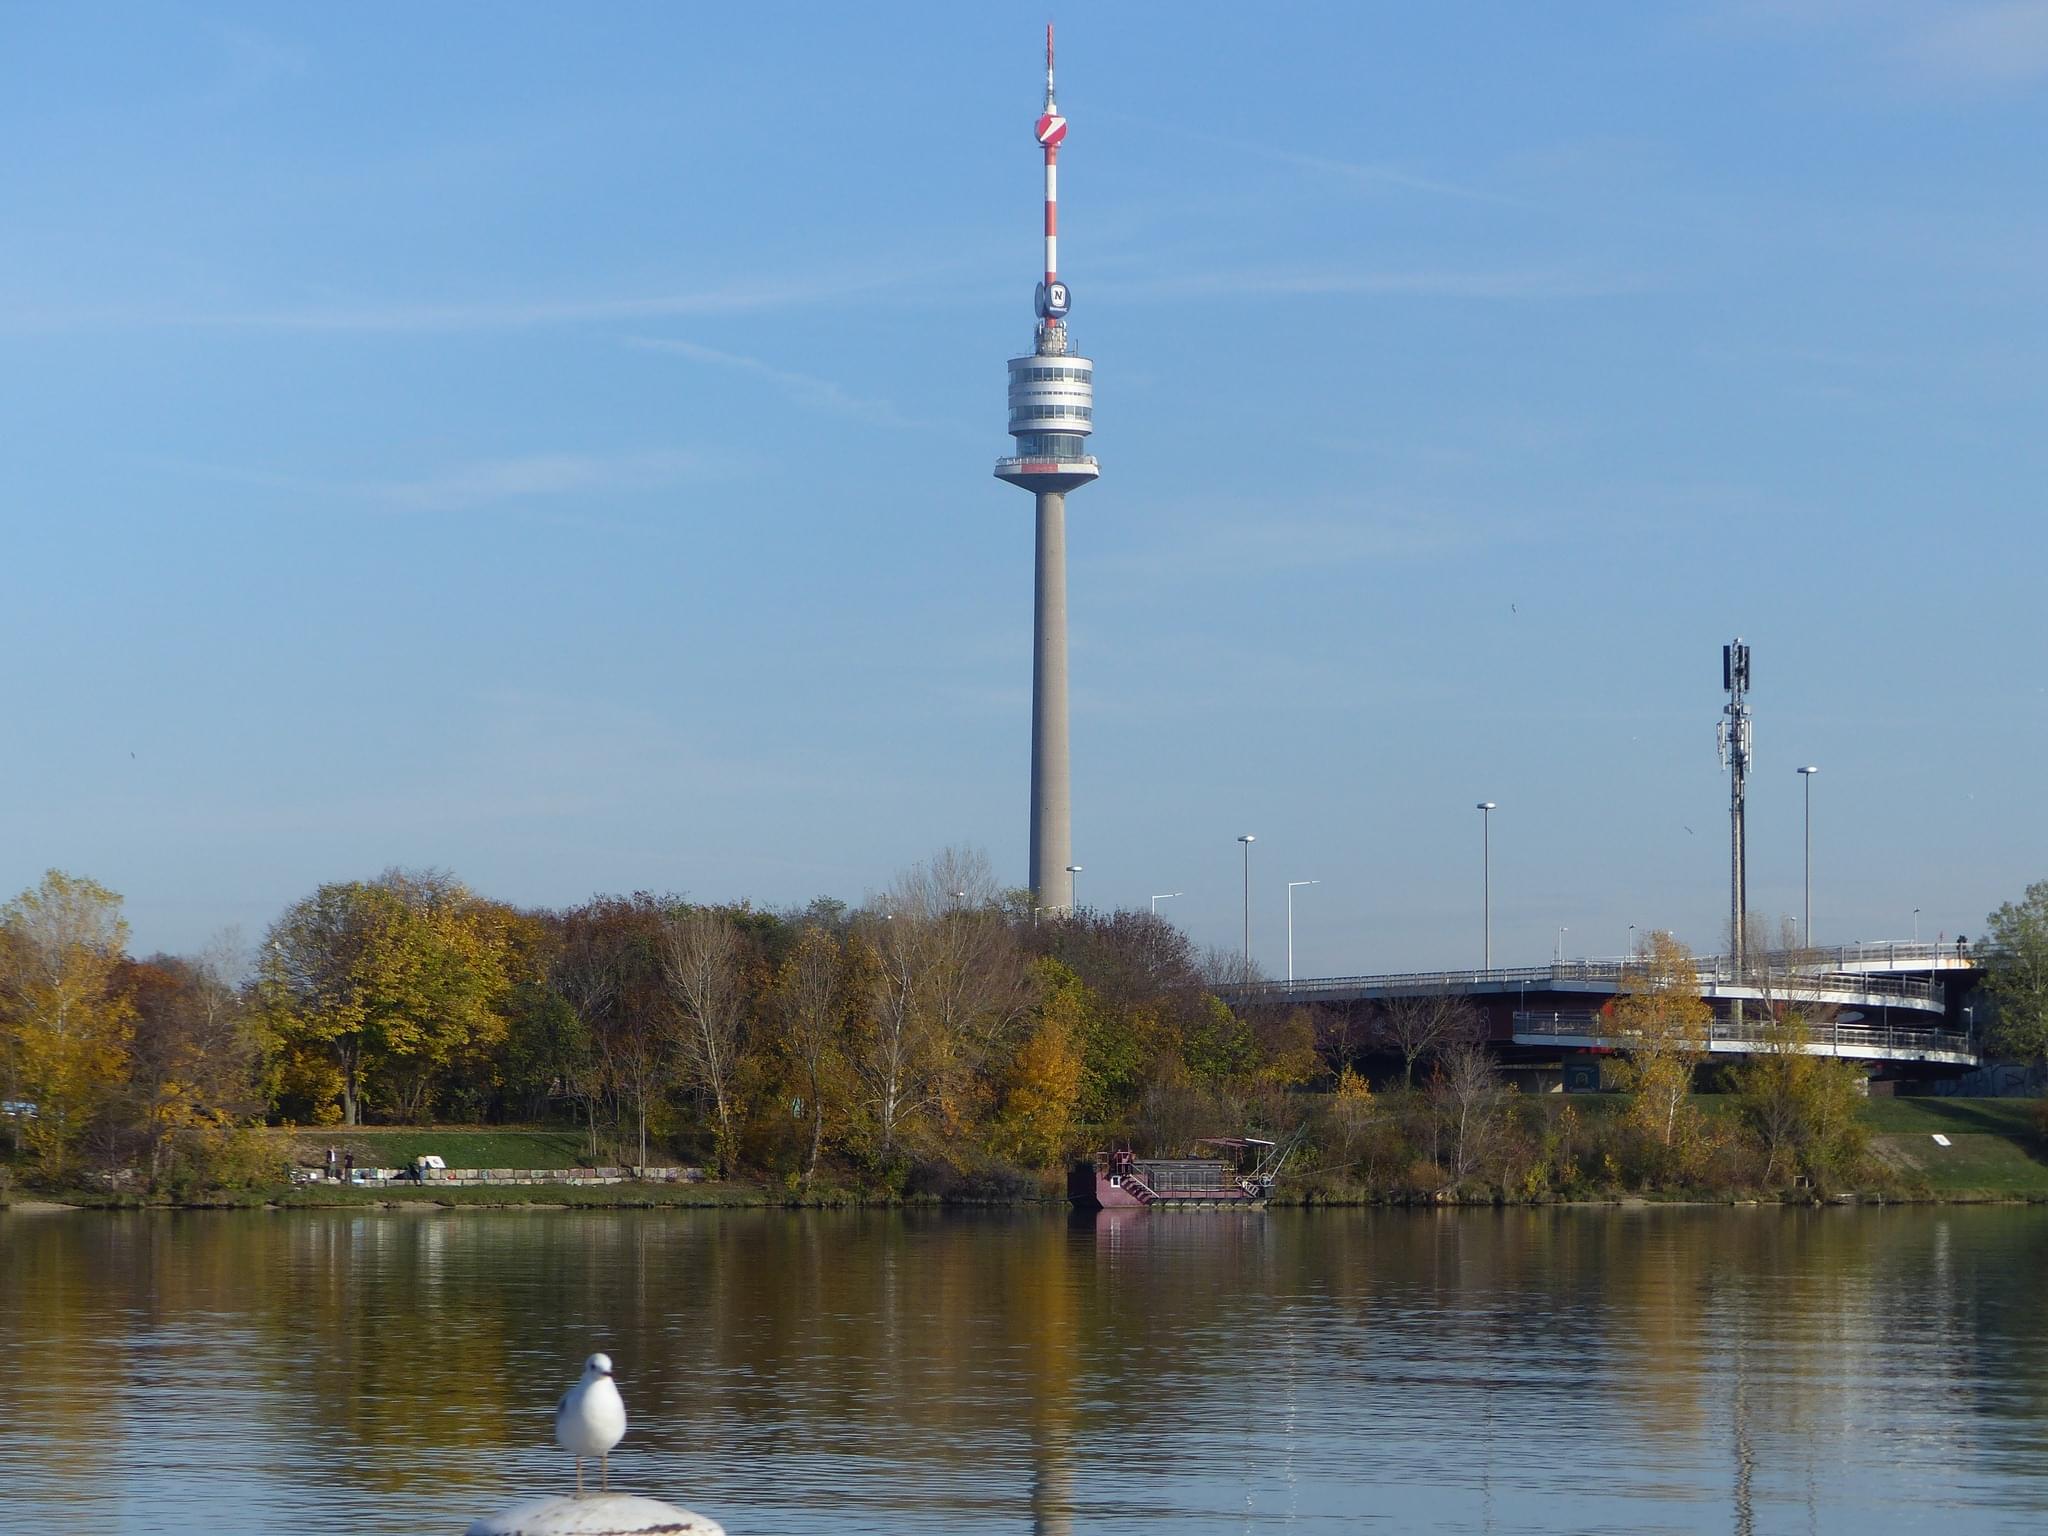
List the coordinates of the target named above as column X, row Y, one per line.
column 703, row 960
column 2014, row 959
column 65, row 1023
column 894, row 1058
column 1352, row 1108
column 946, row 990
column 1043, row 1084
column 1426, row 1025
column 968, row 974
column 195, row 1062
column 1801, row 1106
column 1664, row 1025
column 607, row 964
column 378, row 986
column 1146, row 983
column 1467, row 1097
column 810, row 1001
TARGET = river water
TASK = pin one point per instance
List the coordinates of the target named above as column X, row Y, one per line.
column 1584, row 1370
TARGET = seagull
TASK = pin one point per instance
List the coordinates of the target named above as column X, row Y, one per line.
column 591, row 1419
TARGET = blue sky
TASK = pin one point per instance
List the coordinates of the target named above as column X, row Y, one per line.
column 554, row 444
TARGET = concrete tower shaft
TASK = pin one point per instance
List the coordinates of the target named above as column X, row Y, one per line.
column 1052, row 414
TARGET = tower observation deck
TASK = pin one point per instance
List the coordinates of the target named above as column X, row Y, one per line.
column 1052, row 414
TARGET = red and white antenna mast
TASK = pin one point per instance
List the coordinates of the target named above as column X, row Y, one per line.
column 1052, row 130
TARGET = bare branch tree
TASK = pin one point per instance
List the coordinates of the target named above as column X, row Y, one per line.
column 1467, row 1093
column 1426, row 1026
column 703, row 962
column 810, row 999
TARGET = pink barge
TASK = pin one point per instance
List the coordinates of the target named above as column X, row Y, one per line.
column 1121, row 1180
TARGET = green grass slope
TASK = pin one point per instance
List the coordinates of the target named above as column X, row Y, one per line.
column 1974, row 1163
column 378, row 1147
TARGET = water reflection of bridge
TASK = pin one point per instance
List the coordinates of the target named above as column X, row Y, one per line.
column 1885, row 1002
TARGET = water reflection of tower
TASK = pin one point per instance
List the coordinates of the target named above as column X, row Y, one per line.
column 1052, row 411
column 1053, row 1364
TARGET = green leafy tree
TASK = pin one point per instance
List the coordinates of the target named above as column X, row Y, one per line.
column 2014, row 958
column 1216, row 1044
column 548, row 1049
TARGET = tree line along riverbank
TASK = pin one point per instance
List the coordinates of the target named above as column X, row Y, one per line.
column 940, row 1042
column 1991, row 1150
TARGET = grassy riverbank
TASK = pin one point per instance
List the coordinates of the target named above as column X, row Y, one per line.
column 1995, row 1150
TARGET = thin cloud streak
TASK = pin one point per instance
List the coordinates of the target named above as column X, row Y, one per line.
column 407, row 319
column 1366, row 173
column 806, row 388
column 1531, row 283
column 537, row 476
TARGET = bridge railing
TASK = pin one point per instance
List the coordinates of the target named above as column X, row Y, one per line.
column 1889, row 1039
column 1914, row 954
column 1714, row 975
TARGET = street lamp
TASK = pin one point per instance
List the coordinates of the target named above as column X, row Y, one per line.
column 1163, row 896
column 1486, row 810
column 1073, row 888
column 1631, row 941
column 1247, row 840
column 1916, row 925
column 1290, row 922
column 1807, row 774
column 1557, row 954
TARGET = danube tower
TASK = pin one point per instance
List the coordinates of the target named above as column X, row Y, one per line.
column 1052, row 411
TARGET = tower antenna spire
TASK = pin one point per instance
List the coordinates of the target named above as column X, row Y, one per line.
column 1052, row 412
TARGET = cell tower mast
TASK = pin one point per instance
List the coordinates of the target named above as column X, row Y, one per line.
column 1052, row 412
column 1734, row 737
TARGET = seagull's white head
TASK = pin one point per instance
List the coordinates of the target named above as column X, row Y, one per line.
column 596, row 1366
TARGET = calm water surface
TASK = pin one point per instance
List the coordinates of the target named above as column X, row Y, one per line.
column 1570, row 1371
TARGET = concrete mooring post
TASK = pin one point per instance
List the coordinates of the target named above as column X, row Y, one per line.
column 597, row 1514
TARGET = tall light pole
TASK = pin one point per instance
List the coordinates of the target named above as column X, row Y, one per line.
column 1631, row 941
column 1807, row 774
column 1557, row 953
column 1163, row 896
column 1073, row 888
column 1247, row 840
column 1290, row 922
column 1916, row 925
column 1486, row 810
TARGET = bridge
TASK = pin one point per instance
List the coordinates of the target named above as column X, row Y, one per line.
column 1882, row 1002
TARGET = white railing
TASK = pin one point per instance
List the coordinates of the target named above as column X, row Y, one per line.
column 1764, row 977
column 1829, row 1038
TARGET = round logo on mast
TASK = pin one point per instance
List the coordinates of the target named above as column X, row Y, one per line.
column 1051, row 129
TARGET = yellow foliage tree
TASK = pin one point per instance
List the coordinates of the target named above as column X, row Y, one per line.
column 65, row 1024
column 1044, row 1082
column 1664, row 1024
column 379, row 987
column 1351, row 1106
